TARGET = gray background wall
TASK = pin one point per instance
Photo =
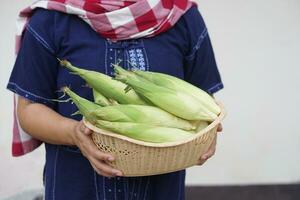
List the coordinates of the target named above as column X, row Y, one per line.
column 257, row 48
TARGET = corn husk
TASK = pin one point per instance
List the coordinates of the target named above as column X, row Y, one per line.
column 141, row 114
column 127, row 113
column 178, row 103
column 105, row 85
column 84, row 106
column 144, row 132
column 200, row 125
column 100, row 99
column 177, row 84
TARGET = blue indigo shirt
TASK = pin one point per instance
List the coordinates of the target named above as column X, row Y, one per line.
column 184, row 51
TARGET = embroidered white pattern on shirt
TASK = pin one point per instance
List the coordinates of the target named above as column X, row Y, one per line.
column 137, row 59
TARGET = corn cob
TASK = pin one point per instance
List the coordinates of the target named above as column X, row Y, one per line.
column 177, row 84
column 84, row 106
column 127, row 113
column 178, row 103
column 100, row 99
column 200, row 125
column 105, row 85
column 144, row 132
column 141, row 114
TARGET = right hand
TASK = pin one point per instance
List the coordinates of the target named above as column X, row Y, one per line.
column 99, row 160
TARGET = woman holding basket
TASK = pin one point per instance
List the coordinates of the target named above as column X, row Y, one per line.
column 167, row 36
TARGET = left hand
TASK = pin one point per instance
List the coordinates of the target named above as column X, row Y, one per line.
column 212, row 149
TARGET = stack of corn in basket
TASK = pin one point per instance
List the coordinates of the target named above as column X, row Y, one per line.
column 152, row 123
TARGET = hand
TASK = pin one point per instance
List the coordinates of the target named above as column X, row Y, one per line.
column 99, row 160
column 212, row 149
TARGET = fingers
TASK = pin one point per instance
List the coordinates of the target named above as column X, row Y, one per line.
column 90, row 150
column 99, row 155
column 104, row 169
column 212, row 149
column 201, row 162
column 100, row 162
column 85, row 129
column 98, row 159
column 220, row 128
column 101, row 172
column 210, row 152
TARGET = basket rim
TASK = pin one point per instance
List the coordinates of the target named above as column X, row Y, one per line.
column 165, row 144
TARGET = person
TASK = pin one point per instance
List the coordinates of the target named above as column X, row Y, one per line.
column 167, row 36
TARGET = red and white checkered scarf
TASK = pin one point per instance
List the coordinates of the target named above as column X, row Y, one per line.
column 112, row 19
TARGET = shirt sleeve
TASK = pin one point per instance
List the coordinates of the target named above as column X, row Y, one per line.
column 200, row 65
column 35, row 70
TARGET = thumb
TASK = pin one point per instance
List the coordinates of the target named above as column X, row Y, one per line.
column 87, row 131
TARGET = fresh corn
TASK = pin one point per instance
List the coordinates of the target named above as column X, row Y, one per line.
column 144, row 132
column 104, row 84
column 177, row 84
column 127, row 113
column 119, row 70
column 178, row 103
column 84, row 106
column 141, row 114
column 201, row 125
column 100, row 99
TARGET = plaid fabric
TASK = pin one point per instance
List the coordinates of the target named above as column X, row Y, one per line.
column 112, row 19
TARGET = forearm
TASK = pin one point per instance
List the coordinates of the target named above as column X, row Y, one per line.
column 45, row 124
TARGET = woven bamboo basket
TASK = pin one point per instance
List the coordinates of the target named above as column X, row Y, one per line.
column 138, row 158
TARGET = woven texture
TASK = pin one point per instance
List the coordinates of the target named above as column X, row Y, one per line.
column 137, row 158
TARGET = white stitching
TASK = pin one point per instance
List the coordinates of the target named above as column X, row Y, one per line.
column 25, row 91
column 132, row 189
column 217, row 86
column 198, row 44
column 39, row 38
column 54, row 173
column 103, row 185
column 124, row 188
column 115, row 185
column 139, row 188
column 127, row 189
column 179, row 187
column 105, row 61
column 146, row 56
column 146, row 188
column 127, row 58
column 96, row 185
column 115, row 56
